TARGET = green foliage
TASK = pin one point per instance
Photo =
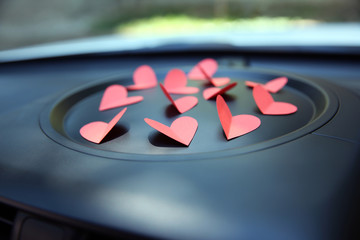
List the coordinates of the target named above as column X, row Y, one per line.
column 170, row 25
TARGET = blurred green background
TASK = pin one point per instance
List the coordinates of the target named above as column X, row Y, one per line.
column 28, row 22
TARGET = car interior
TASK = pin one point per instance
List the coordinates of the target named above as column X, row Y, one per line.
column 202, row 119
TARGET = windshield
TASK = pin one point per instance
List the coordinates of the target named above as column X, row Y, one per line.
column 328, row 22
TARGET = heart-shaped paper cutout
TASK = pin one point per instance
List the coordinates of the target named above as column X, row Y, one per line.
column 220, row 81
column 208, row 68
column 181, row 104
column 272, row 86
column 96, row 131
column 213, row 91
column 204, row 70
column 268, row 106
column 175, row 82
column 144, row 77
column 235, row 126
column 116, row 96
column 181, row 130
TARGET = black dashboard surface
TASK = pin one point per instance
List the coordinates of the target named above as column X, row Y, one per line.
column 300, row 184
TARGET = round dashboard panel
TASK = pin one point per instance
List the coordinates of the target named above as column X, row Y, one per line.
column 133, row 139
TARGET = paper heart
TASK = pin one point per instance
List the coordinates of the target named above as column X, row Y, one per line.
column 268, row 106
column 213, row 91
column 181, row 130
column 208, row 65
column 272, row 86
column 204, row 70
column 220, row 81
column 175, row 82
column 217, row 82
column 144, row 77
column 235, row 126
column 96, row 131
column 181, row 104
column 116, row 96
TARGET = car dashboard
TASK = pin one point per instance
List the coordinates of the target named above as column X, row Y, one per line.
column 296, row 177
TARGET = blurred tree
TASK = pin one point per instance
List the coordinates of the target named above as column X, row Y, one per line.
column 221, row 8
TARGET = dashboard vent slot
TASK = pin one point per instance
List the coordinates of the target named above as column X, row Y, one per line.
column 7, row 218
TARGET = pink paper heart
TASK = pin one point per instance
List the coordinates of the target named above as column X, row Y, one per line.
column 235, row 126
column 213, row 91
column 272, row 86
column 181, row 130
column 96, row 131
column 144, row 77
column 208, row 65
column 204, row 70
column 181, row 104
column 175, row 82
column 116, row 96
column 268, row 106
column 217, row 82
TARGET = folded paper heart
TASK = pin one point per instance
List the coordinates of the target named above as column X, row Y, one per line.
column 96, row 131
column 209, row 65
column 144, row 77
column 116, row 96
column 235, row 126
column 181, row 104
column 204, row 70
column 175, row 82
column 214, row 91
column 181, row 130
column 268, row 106
column 272, row 86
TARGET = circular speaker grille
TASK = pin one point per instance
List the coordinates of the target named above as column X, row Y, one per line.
column 133, row 139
